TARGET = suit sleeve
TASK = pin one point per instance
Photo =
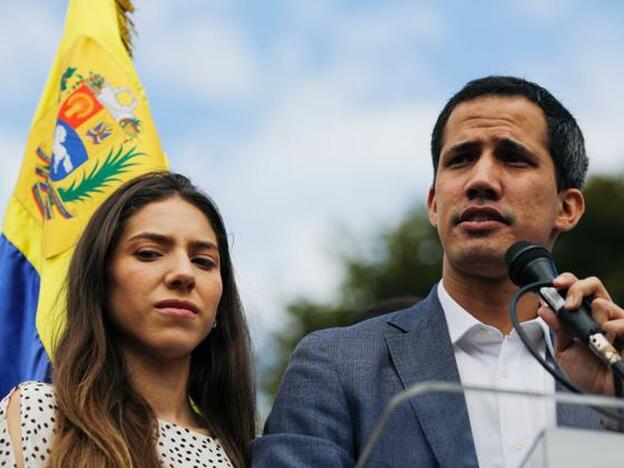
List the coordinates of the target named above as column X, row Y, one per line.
column 310, row 424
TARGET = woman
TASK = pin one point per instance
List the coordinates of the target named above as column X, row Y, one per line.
column 154, row 364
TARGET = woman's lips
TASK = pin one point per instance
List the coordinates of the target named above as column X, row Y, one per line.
column 176, row 312
column 177, row 308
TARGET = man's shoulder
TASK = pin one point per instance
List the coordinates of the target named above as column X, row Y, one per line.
column 382, row 326
column 376, row 326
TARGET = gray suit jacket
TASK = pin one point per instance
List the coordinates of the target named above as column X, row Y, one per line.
column 339, row 381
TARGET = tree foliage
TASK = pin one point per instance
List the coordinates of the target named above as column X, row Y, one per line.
column 595, row 247
column 407, row 262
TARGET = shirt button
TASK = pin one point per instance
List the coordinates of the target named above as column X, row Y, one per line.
column 505, row 373
column 517, row 446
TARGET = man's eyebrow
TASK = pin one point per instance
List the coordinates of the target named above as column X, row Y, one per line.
column 166, row 240
column 506, row 144
column 465, row 147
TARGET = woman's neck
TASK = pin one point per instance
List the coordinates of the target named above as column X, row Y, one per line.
column 163, row 384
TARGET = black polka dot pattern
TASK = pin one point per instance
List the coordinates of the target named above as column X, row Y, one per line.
column 36, row 408
column 180, row 447
column 177, row 446
column 6, row 454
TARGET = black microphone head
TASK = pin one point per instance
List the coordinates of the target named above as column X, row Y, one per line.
column 529, row 263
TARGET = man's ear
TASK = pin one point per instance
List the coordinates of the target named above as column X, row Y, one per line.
column 571, row 209
column 432, row 207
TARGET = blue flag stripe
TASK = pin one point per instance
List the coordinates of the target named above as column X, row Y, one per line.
column 22, row 356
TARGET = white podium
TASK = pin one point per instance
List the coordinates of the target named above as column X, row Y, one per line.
column 576, row 448
column 557, row 447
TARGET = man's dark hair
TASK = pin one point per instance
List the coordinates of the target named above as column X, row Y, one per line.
column 565, row 139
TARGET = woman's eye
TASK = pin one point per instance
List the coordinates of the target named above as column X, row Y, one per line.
column 205, row 262
column 146, row 254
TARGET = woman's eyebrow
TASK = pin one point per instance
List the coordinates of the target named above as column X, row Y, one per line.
column 204, row 245
column 167, row 240
column 158, row 238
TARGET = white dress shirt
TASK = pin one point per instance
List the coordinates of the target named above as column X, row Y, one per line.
column 503, row 427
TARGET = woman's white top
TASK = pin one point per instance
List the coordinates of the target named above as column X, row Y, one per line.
column 176, row 445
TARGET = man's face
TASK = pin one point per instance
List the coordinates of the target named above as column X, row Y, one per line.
column 495, row 184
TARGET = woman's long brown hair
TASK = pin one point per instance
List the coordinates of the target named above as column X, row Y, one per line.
column 101, row 420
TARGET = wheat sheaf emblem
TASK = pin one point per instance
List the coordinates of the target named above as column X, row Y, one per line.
column 101, row 176
column 99, row 179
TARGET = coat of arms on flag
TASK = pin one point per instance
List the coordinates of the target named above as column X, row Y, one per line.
column 95, row 134
column 93, row 113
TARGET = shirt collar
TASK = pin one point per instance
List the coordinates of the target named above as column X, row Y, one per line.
column 460, row 321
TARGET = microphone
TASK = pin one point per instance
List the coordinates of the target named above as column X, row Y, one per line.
column 529, row 263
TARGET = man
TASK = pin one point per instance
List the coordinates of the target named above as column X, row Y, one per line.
column 509, row 161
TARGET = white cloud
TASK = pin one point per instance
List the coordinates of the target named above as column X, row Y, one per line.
column 587, row 77
column 540, row 11
column 209, row 57
column 373, row 24
column 600, row 113
column 374, row 47
column 408, row 23
column 29, row 36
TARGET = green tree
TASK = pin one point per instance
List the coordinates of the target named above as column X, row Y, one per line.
column 407, row 262
column 596, row 246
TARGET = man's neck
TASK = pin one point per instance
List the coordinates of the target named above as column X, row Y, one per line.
column 488, row 299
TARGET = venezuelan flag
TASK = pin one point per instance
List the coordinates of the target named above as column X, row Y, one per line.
column 91, row 132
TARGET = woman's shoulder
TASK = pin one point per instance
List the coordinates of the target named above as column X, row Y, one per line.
column 37, row 402
column 34, row 399
column 31, row 387
column 26, row 393
column 27, row 422
column 42, row 390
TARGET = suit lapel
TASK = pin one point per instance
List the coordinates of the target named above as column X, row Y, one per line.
column 423, row 352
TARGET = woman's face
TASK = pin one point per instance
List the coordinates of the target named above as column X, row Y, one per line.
column 165, row 281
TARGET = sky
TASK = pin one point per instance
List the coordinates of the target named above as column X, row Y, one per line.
column 309, row 122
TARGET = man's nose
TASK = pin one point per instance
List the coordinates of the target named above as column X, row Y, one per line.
column 484, row 180
column 180, row 275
